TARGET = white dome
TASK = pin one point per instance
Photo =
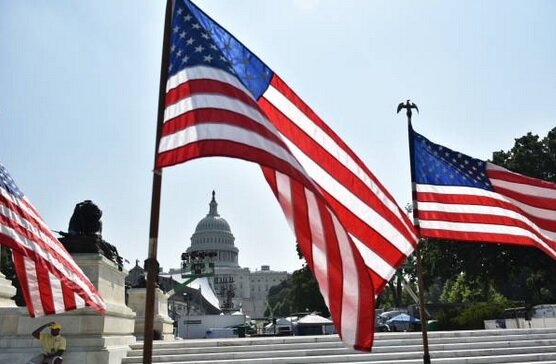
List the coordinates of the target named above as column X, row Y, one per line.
column 212, row 224
column 213, row 233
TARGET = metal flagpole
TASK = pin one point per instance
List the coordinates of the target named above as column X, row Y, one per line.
column 426, row 356
column 151, row 262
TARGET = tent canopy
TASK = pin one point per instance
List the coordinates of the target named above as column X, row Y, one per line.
column 314, row 319
column 403, row 317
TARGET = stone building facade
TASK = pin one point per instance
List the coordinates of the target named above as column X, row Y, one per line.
column 236, row 287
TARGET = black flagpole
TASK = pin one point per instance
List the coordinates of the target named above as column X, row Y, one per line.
column 151, row 262
column 422, row 312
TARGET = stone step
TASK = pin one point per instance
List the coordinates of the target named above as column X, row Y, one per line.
column 407, row 346
column 380, row 338
column 458, row 347
column 348, row 355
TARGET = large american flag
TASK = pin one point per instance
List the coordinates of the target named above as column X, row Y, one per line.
column 50, row 279
column 222, row 100
column 463, row 198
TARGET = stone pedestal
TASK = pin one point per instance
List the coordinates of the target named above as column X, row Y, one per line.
column 163, row 324
column 7, row 291
column 91, row 338
column 9, row 312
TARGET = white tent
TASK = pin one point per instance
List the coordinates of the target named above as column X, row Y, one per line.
column 314, row 319
column 282, row 324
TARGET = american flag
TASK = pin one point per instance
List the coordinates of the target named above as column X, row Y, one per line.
column 50, row 279
column 462, row 198
column 222, row 100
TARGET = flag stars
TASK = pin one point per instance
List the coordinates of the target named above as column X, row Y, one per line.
column 199, row 49
column 185, row 59
column 183, row 34
column 176, row 29
column 190, row 41
column 196, row 26
column 187, row 18
column 208, row 58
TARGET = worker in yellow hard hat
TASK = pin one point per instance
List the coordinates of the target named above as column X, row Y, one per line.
column 53, row 344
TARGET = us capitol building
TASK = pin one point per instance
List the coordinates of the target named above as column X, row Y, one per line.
column 236, row 287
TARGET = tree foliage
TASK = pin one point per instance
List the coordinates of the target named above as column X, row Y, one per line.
column 299, row 293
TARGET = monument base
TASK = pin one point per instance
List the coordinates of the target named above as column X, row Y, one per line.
column 91, row 338
column 163, row 324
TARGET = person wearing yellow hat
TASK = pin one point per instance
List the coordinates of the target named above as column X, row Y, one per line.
column 53, row 344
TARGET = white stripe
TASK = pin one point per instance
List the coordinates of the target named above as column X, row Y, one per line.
column 320, row 260
column 48, row 239
column 57, row 295
column 297, row 117
column 32, row 284
column 526, row 189
column 472, row 191
column 231, row 133
column 485, row 229
column 374, row 261
column 31, row 245
column 483, row 210
column 352, row 202
column 79, row 302
column 204, row 72
column 350, row 292
column 285, row 197
column 217, row 102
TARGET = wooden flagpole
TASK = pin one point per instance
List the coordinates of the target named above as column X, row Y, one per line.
column 422, row 312
column 151, row 262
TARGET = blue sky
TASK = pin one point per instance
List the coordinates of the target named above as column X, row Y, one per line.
column 79, row 84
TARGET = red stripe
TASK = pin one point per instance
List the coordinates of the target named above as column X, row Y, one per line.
column 47, row 265
column 480, row 237
column 217, row 116
column 69, row 297
column 19, row 230
column 301, row 219
column 365, row 324
column 225, row 148
column 281, row 86
column 45, row 289
column 366, row 234
column 43, row 245
column 518, row 178
column 378, row 282
column 334, row 266
column 535, row 201
column 23, row 282
column 483, row 201
column 478, row 219
column 337, row 170
column 207, row 86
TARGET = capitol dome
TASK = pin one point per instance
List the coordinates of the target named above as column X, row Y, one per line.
column 213, row 233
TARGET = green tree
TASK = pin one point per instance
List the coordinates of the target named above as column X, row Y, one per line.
column 299, row 293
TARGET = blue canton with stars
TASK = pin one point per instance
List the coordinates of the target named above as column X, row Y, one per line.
column 199, row 40
column 8, row 184
column 438, row 165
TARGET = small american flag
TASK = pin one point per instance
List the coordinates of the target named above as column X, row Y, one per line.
column 222, row 100
column 463, row 198
column 50, row 280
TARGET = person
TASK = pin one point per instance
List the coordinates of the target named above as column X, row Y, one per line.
column 53, row 344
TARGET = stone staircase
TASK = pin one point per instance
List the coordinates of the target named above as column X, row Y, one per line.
column 454, row 347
